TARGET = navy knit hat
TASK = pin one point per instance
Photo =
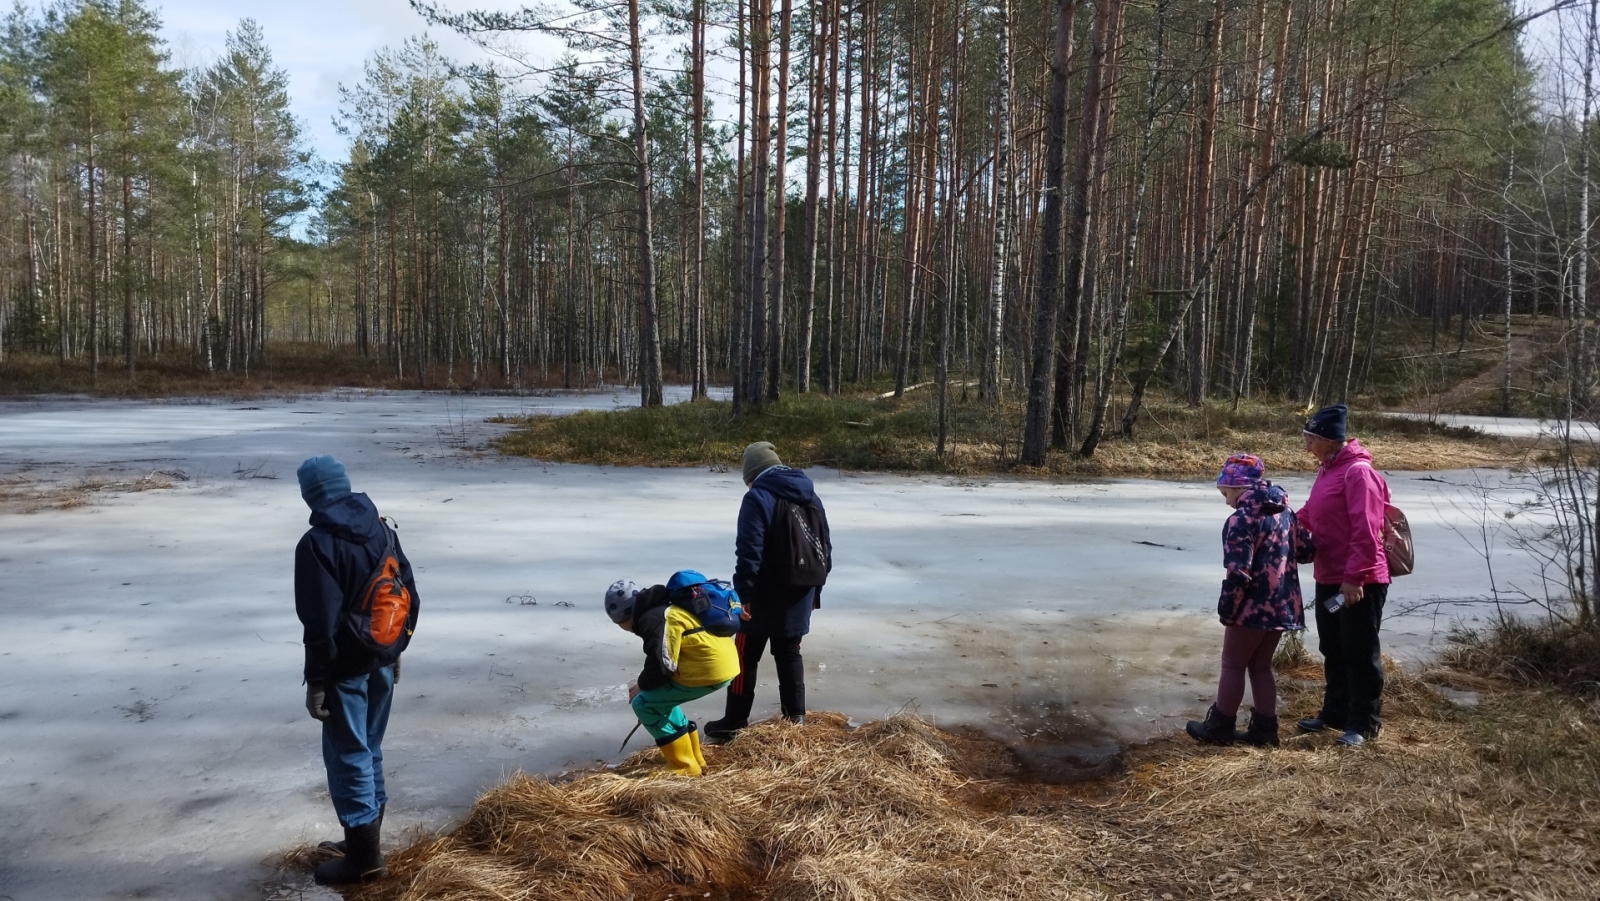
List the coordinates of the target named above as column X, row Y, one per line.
column 1328, row 422
column 322, row 481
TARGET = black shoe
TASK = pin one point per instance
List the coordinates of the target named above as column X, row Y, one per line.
column 339, row 847
column 362, row 861
column 1318, row 723
column 720, row 732
column 1263, row 731
column 799, row 720
column 792, row 702
column 1216, row 729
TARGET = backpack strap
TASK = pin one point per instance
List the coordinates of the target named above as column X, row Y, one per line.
column 811, row 539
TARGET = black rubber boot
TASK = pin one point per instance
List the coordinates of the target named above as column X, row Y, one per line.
column 1263, row 731
column 1216, row 729
column 339, row 847
column 720, row 732
column 362, row 861
column 792, row 699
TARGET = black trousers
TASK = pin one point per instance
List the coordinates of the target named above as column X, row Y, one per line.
column 1352, row 662
column 791, row 675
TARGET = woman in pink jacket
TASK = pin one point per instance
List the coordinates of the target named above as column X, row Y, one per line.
column 1345, row 516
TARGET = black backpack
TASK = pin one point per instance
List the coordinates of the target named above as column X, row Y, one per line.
column 799, row 549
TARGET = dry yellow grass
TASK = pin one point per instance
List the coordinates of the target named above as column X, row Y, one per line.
column 21, row 494
column 867, row 432
column 899, row 811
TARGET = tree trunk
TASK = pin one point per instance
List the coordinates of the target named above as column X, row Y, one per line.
column 994, row 333
column 761, row 51
column 814, row 121
column 697, row 337
column 779, row 207
column 1041, row 375
column 649, row 334
column 1074, row 333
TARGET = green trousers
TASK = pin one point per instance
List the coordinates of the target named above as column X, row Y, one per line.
column 658, row 710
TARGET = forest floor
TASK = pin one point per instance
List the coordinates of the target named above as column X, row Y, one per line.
column 1478, row 787
column 869, row 432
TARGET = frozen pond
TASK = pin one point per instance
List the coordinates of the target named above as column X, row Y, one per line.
column 153, row 741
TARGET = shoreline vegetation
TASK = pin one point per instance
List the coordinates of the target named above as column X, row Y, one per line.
column 868, row 432
column 1479, row 787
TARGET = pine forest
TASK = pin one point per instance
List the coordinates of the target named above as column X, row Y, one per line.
column 1062, row 205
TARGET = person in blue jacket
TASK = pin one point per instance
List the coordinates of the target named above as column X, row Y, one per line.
column 348, row 687
column 777, row 614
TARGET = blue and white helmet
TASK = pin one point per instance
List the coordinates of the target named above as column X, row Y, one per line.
column 620, row 598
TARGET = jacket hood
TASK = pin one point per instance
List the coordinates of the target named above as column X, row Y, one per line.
column 649, row 599
column 1265, row 498
column 792, row 485
column 1352, row 452
column 352, row 517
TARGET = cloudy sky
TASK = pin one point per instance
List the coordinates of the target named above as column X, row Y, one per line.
column 321, row 43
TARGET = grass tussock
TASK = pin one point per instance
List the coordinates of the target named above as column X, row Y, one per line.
column 868, row 432
column 19, row 493
column 1451, row 803
column 1546, row 653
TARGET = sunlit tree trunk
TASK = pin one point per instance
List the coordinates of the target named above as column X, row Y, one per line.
column 649, row 333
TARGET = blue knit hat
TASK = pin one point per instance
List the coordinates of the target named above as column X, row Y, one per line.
column 1328, row 422
column 322, row 481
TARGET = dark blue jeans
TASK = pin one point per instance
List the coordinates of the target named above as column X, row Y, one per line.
column 352, row 745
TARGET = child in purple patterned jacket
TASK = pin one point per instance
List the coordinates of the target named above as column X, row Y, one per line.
column 1261, row 545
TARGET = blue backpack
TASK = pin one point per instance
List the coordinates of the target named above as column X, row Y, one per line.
column 713, row 602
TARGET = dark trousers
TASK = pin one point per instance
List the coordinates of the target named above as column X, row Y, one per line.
column 791, row 675
column 1352, row 662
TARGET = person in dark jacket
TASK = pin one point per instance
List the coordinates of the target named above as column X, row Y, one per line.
column 348, row 687
column 1262, row 543
column 777, row 614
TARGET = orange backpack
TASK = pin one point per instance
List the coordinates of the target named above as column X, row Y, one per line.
column 384, row 612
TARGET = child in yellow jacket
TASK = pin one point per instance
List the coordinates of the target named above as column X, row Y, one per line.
column 682, row 662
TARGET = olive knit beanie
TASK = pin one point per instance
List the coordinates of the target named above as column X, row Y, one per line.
column 759, row 458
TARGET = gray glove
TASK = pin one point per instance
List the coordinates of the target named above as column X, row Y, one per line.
column 317, row 702
column 397, row 670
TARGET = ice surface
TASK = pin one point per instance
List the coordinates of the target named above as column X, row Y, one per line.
column 153, row 741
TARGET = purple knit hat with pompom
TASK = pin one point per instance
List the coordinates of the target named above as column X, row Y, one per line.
column 1241, row 471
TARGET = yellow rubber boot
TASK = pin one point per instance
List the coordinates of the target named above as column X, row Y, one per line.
column 680, row 757
column 694, row 742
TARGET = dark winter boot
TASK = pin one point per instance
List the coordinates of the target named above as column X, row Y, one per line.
column 339, row 846
column 1215, row 730
column 792, row 699
column 720, row 732
column 362, row 861
column 1263, row 731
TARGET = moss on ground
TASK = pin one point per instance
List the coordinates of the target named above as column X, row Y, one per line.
column 864, row 431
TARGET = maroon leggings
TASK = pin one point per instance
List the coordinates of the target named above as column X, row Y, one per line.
column 1247, row 650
